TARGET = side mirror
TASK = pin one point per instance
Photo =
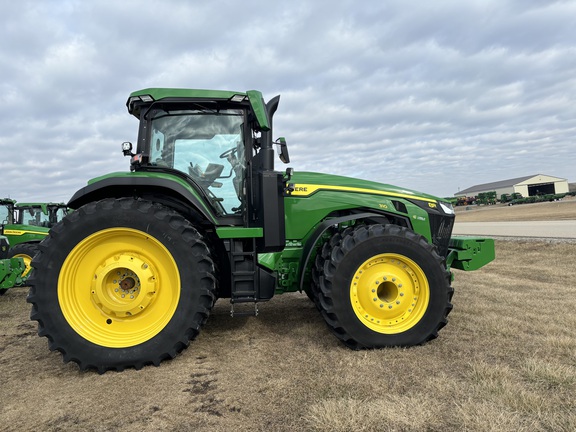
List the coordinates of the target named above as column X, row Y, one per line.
column 282, row 150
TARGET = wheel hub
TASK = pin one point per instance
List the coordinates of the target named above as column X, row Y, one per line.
column 389, row 293
column 123, row 286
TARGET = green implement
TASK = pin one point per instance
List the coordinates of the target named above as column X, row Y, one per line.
column 11, row 269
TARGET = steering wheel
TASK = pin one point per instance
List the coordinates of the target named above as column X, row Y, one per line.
column 228, row 152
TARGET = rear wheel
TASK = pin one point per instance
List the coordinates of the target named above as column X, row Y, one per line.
column 121, row 283
column 26, row 251
column 383, row 285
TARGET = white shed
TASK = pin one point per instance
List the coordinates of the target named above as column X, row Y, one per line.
column 539, row 184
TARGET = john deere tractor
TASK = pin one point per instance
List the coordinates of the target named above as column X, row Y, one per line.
column 130, row 276
column 23, row 234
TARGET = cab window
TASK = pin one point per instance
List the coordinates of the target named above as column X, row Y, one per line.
column 206, row 145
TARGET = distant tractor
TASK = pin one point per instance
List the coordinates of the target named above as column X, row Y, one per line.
column 23, row 236
column 131, row 275
column 465, row 201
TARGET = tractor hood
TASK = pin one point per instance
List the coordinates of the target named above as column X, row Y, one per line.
column 308, row 183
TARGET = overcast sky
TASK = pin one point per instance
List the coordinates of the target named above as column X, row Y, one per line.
column 435, row 96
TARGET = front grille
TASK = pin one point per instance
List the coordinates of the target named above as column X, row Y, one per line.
column 441, row 230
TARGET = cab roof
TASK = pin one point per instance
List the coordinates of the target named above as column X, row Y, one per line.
column 149, row 95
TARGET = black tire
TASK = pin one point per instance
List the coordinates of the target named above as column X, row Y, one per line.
column 318, row 267
column 383, row 286
column 26, row 251
column 105, row 288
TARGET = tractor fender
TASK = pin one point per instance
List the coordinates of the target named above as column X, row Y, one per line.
column 320, row 229
column 165, row 190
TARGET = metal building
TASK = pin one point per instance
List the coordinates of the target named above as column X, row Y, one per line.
column 539, row 184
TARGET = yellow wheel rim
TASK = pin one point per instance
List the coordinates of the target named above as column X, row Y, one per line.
column 118, row 287
column 389, row 293
column 27, row 260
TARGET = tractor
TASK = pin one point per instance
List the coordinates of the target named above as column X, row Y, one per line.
column 130, row 276
column 23, row 234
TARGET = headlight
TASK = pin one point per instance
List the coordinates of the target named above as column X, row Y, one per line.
column 133, row 99
column 447, row 207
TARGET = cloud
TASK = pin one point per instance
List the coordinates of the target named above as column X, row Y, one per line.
column 432, row 96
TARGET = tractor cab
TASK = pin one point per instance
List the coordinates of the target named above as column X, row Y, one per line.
column 40, row 214
column 219, row 143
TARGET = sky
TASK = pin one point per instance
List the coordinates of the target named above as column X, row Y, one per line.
column 435, row 96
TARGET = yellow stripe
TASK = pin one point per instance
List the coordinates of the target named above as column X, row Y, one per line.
column 302, row 190
column 22, row 232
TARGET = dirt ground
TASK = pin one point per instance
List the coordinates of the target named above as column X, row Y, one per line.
column 506, row 362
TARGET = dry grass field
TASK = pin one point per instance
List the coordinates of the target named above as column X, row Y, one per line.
column 505, row 362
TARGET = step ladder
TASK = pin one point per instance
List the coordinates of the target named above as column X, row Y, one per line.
column 244, row 277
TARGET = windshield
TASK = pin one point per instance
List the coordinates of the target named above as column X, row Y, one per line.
column 33, row 216
column 207, row 146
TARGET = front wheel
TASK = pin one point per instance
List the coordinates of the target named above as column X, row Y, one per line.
column 121, row 283
column 383, row 286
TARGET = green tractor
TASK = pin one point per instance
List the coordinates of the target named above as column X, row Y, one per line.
column 130, row 276
column 23, row 235
column 11, row 269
